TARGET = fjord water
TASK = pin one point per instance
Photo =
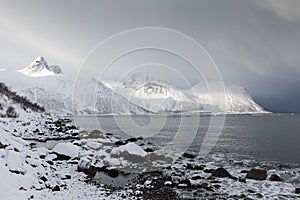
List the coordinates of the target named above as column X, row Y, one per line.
column 269, row 137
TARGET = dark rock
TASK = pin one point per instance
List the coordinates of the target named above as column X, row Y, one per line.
column 42, row 156
column 169, row 167
column 209, row 171
column 242, row 180
column 194, row 167
column 72, row 127
column 22, row 188
column 112, row 173
column 217, row 186
column 32, row 145
column 199, row 167
column 17, row 172
column 66, row 176
column 211, row 178
column 221, row 172
column 44, row 178
column 120, row 143
column 50, row 162
column 148, row 150
column 206, row 187
column 36, row 131
column 61, row 157
column 275, row 177
column 258, row 195
column 297, row 190
column 131, row 140
column 56, row 188
column 87, row 168
column 2, row 146
column 188, row 155
column 196, row 177
column 60, row 129
column 244, row 171
column 189, row 166
column 257, row 174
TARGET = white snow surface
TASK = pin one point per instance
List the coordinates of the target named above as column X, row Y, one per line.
column 130, row 148
column 66, row 149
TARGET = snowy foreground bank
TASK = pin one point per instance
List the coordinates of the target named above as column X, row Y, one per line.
column 100, row 166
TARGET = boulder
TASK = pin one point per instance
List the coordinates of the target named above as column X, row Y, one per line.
column 3, row 146
column 257, row 174
column 85, row 165
column 297, row 190
column 275, row 177
column 188, row 155
column 221, row 173
column 130, row 149
column 65, row 151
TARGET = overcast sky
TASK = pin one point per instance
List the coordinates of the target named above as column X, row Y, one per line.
column 256, row 44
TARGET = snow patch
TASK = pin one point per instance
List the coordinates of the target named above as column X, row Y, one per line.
column 66, row 149
column 130, row 148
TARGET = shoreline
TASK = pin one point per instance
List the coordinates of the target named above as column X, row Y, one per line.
column 69, row 169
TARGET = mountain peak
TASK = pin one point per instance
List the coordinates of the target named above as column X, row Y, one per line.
column 40, row 59
column 39, row 67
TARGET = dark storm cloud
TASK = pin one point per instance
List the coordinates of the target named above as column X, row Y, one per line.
column 255, row 44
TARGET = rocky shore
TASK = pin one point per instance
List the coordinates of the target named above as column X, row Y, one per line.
column 89, row 165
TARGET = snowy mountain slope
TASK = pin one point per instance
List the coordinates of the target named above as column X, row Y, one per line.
column 236, row 101
column 47, row 86
column 55, row 94
column 157, row 96
column 106, row 101
column 39, row 68
column 160, row 97
column 14, row 105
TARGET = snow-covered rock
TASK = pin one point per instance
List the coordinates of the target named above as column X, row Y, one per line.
column 66, row 149
column 129, row 149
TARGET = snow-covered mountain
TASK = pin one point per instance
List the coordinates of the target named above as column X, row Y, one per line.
column 160, row 97
column 236, row 100
column 14, row 105
column 157, row 96
column 54, row 91
column 40, row 68
column 48, row 86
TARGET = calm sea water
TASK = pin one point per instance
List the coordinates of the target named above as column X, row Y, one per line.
column 271, row 138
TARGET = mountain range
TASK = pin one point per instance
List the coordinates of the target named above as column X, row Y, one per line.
column 48, row 86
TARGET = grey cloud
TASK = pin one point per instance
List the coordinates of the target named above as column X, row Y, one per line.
column 255, row 43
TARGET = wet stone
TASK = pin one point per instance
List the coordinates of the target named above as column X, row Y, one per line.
column 275, row 177
column 257, row 174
